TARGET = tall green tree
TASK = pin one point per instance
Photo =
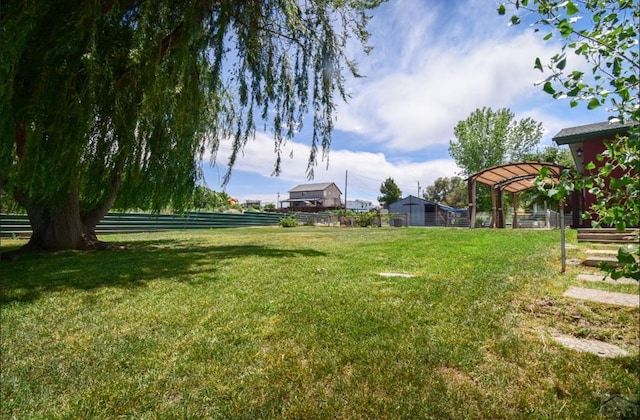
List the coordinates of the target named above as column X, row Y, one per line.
column 605, row 34
column 552, row 154
column 390, row 192
column 488, row 138
column 116, row 102
column 449, row 191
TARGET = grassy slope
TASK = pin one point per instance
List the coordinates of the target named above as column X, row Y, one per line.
column 297, row 323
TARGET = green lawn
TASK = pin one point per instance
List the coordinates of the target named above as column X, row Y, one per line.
column 298, row 323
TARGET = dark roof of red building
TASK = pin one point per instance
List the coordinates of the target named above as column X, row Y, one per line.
column 586, row 132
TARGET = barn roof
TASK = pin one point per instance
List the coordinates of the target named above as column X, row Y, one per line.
column 514, row 177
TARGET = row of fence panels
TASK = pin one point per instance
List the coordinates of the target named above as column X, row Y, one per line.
column 18, row 224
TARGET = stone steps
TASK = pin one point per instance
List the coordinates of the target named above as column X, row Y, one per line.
column 599, row 348
column 608, row 236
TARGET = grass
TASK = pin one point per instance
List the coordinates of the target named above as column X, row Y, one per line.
column 298, row 323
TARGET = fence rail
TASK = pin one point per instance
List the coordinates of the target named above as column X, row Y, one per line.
column 18, row 225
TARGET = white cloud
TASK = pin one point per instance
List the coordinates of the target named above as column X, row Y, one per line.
column 368, row 170
column 433, row 64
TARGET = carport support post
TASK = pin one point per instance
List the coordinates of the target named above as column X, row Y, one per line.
column 563, row 253
column 471, row 187
column 500, row 209
column 514, row 224
column 494, row 212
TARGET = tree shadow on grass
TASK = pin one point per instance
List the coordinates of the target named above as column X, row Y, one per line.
column 27, row 278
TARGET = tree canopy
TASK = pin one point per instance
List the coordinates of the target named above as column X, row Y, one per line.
column 488, row 138
column 390, row 192
column 449, row 191
column 106, row 102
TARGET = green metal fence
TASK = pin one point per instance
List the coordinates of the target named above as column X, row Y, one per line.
column 18, row 225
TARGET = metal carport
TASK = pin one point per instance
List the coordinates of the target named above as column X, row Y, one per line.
column 510, row 177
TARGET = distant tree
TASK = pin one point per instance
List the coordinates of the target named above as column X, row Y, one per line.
column 116, row 102
column 207, row 199
column 390, row 192
column 449, row 191
column 200, row 197
column 487, row 138
column 552, row 154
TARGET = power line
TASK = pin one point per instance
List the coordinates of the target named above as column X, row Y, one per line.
column 408, row 187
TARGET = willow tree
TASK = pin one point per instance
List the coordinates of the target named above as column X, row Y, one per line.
column 109, row 102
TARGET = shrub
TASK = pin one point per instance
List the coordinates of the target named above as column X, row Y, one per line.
column 365, row 219
column 288, row 221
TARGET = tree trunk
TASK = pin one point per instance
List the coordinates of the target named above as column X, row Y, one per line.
column 59, row 227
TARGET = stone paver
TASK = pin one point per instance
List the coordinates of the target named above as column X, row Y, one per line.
column 590, row 346
column 612, row 298
column 594, row 261
column 396, row 275
column 602, row 251
column 598, row 277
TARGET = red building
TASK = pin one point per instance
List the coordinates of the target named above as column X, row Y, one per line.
column 586, row 142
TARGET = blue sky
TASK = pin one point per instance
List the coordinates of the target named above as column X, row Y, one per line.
column 433, row 63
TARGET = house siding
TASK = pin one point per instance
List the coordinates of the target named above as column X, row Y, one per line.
column 325, row 196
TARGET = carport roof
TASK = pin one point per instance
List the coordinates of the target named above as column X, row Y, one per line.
column 514, row 177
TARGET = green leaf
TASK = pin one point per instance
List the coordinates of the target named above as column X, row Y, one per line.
column 515, row 20
column 593, row 103
column 616, row 183
column 571, row 9
column 538, row 64
column 625, row 257
column 590, row 166
column 565, row 28
column 548, row 88
column 502, row 9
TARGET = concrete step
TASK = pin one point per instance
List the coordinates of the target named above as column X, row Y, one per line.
column 602, row 251
column 595, row 261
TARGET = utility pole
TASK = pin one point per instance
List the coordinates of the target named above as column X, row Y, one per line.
column 418, row 189
column 346, row 177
